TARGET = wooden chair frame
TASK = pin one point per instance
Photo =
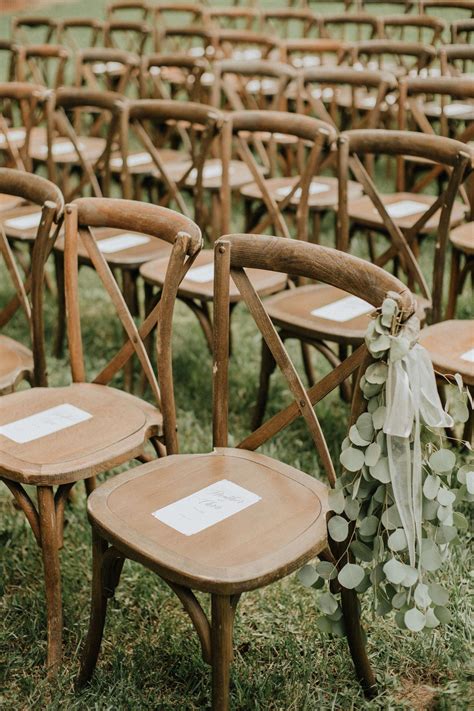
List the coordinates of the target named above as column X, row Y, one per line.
column 119, row 79
column 342, row 21
column 460, row 28
column 34, row 61
column 66, row 27
column 114, row 8
column 193, row 11
column 132, row 34
column 233, row 254
column 320, row 49
column 173, row 75
column 172, row 39
column 280, row 20
column 452, row 54
column 389, row 24
column 422, row 55
column 21, row 24
column 30, row 288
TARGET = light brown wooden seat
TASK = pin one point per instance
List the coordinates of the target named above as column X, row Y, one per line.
column 447, row 342
column 462, row 263
column 462, row 237
column 100, row 426
column 17, row 362
column 283, row 524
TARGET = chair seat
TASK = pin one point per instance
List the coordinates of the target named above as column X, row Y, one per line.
column 141, row 162
column 293, row 311
column 239, row 174
column 63, row 150
column 269, row 539
column 131, row 250
column 199, row 281
column 323, row 191
column 21, row 222
column 364, row 212
column 117, row 427
column 16, row 364
column 8, row 202
column 462, row 237
column 451, row 347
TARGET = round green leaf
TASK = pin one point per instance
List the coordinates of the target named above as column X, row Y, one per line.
column 326, row 570
column 460, row 521
column 391, row 518
column 324, row 625
column 442, row 461
column 308, row 575
column 389, row 307
column 411, row 576
column 397, row 541
column 368, row 526
column 383, row 607
column 361, row 551
column 399, row 600
column 431, row 486
column 351, row 575
column 446, row 497
column 336, row 500
column 328, row 603
column 443, row 513
column 354, row 436
column 338, row 528
column 415, row 620
column 438, row 594
column 442, row 614
column 377, row 373
column 372, row 454
column 463, row 473
column 400, row 620
column 364, row 585
column 381, row 471
column 431, row 619
column 351, row 509
column 421, row 596
column 394, row 571
column 430, row 509
column 379, row 345
column 352, row 459
column 372, row 404
column 470, row 482
column 378, row 417
column 365, row 426
column 430, row 556
column 445, row 534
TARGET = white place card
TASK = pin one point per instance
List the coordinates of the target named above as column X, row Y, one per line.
column 13, row 134
column 206, row 507
column 248, row 54
column 101, row 67
column 197, row 51
column 44, row 423
column 201, row 275
column 344, row 309
column 458, row 109
column 315, row 188
column 121, row 242
column 24, row 222
column 468, row 355
column 405, row 208
column 60, row 148
column 256, row 85
column 209, row 171
column 133, row 160
column 368, row 102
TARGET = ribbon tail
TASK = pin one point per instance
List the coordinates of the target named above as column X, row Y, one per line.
column 401, row 476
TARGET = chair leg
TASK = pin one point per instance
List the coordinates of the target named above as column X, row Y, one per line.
column 98, row 612
column 453, row 283
column 52, row 575
column 61, row 325
column 355, row 638
column 267, row 367
column 221, row 636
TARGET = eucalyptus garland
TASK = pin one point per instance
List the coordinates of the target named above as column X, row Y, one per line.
column 392, row 513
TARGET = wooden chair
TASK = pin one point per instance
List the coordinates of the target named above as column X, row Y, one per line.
column 172, row 76
column 42, row 64
column 127, row 35
column 33, row 29
column 462, row 31
column 174, row 14
column 128, row 10
column 17, row 362
column 8, row 57
column 243, row 44
column 303, row 313
column 80, row 32
column 412, row 28
column 290, row 22
column 399, row 58
column 305, row 53
column 348, row 27
column 232, row 18
column 195, row 40
column 282, row 519
column 93, row 426
column 460, row 8
column 106, row 69
column 462, row 263
column 277, row 200
column 379, row 7
column 457, row 60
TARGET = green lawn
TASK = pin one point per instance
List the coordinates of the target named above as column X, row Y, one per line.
column 150, row 656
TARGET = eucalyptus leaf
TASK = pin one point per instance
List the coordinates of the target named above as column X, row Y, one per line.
column 394, row 571
column 364, row 585
column 336, row 500
column 415, row 620
column 442, row 614
column 446, row 497
column 328, row 603
column 326, row 570
column 442, row 461
column 308, row 575
column 324, row 625
column 431, row 486
column 430, row 556
column 399, row 600
column 338, row 528
column 399, row 348
column 400, row 619
column 389, row 307
column 411, row 576
column 351, row 575
column 431, row 619
column 377, row 373
column 351, row 509
column 381, row 471
column 379, row 416
column 421, row 596
column 470, row 482
column 438, row 594
column 445, row 534
column 380, row 344
column 379, row 495
column 460, row 521
column 397, row 541
column 368, row 526
column 361, row 551
column 463, row 472
column 372, row 405
column 391, row 518
column 443, row 513
column 354, row 436
column 365, row 426
column 352, row 459
column 383, row 607
column 371, row 389
column 430, row 509
column 372, row 454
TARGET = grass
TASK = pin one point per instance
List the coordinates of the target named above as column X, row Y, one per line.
column 150, row 656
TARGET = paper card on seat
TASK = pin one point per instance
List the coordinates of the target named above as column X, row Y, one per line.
column 44, row 423
column 314, row 189
column 209, row 171
column 468, row 355
column 458, row 109
column 206, row 507
column 405, row 208
column 121, row 242
column 14, row 134
column 60, row 149
column 101, row 67
column 250, row 53
column 201, row 275
column 133, row 160
column 343, row 309
column 197, row 51
column 24, row 222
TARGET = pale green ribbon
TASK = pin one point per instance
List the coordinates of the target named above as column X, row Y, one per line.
column 411, row 397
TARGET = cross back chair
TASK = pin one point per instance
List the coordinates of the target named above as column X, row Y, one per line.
column 33, row 29
column 79, row 32
column 324, row 317
column 243, row 44
column 461, row 8
column 289, row 22
column 106, row 68
column 128, row 9
column 457, row 60
column 381, row 6
column 174, row 14
column 232, row 18
column 17, row 362
column 284, row 522
column 8, row 57
column 462, row 31
column 307, row 52
column 196, row 40
column 172, row 76
column 91, row 427
column 42, row 64
column 412, row 28
column 399, row 58
column 128, row 35
column 348, row 26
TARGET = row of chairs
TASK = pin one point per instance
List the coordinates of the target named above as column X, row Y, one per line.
column 284, row 23
column 75, row 432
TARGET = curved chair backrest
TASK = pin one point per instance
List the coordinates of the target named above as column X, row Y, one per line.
column 128, row 8
column 115, row 67
column 232, row 18
column 166, row 76
column 243, row 44
column 255, row 133
column 462, row 31
column 129, row 35
column 43, row 64
column 32, row 28
column 29, row 290
column 157, row 223
column 194, row 39
column 77, row 32
column 235, row 253
column 457, row 157
column 408, row 28
column 286, row 22
column 258, row 84
column 305, row 53
column 457, row 59
column 349, row 26
column 404, row 56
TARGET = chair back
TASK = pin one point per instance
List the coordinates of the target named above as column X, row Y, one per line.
column 79, row 32
column 31, row 29
column 287, row 22
column 412, row 28
column 156, row 223
column 29, row 289
column 44, row 64
column 258, row 84
column 171, row 76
